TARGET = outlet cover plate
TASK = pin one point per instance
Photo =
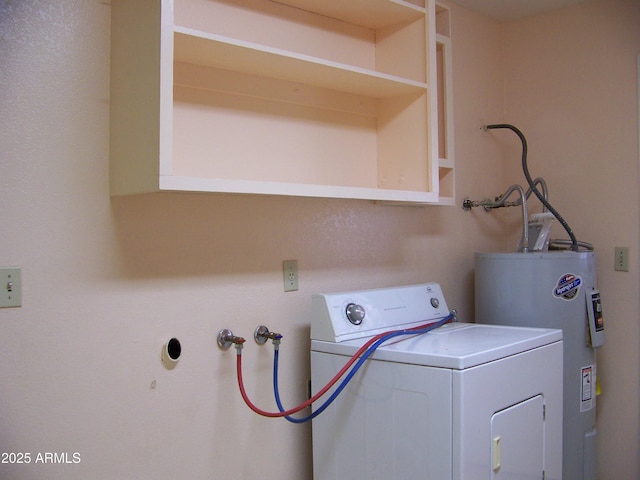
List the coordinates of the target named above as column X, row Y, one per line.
column 10, row 287
column 290, row 275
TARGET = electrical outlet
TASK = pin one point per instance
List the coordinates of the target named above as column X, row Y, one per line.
column 290, row 275
column 10, row 287
column 621, row 261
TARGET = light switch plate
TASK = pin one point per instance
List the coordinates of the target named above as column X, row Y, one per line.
column 10, row 287
column 621, row 259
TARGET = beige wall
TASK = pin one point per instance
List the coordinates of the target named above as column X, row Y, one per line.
column 107, row 282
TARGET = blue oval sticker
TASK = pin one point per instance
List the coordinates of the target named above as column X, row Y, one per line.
column 567, row 287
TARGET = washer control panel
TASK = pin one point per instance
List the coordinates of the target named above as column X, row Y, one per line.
column 338, row 317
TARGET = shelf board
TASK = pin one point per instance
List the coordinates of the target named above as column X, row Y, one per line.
column 191, row 184
column 372, row 14
column 445, row 163
column 443, row 39
column 201, row 48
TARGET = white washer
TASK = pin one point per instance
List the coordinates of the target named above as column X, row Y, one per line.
column 463, row 402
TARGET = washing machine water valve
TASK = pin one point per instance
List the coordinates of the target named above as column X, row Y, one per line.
column 226, row 338
column 262, row 334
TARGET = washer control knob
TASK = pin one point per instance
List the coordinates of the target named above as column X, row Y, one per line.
column 355, row 313
column 435, row 303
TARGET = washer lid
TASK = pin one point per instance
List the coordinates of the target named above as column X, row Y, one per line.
column 457, row 346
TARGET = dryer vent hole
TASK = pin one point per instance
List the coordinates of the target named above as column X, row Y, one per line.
column 174, row 349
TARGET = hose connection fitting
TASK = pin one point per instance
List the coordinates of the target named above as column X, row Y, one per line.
column 226, row 338
column 262, row 334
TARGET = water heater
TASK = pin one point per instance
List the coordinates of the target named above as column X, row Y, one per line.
column 553, row 290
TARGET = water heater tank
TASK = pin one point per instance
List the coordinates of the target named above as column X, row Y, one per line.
column 552, row 290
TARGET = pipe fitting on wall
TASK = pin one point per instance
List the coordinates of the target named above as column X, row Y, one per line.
column 501, row 201
column 226, row 338
column 262, row 334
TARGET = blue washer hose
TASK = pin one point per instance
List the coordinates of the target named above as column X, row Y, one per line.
column 351, row 373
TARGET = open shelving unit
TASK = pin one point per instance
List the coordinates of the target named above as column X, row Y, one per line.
column 297, row 97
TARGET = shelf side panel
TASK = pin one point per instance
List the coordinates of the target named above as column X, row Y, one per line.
column 135, row 96
column 445, row 132
column 442, row 106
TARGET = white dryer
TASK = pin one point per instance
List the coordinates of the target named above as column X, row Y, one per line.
column 463, row 402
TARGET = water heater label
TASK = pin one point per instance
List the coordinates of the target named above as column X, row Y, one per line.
column 588, row 388
column 567, row 287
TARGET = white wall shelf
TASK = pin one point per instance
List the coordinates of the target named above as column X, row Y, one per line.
column 297, row 97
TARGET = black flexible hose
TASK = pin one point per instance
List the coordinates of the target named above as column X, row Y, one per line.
column 532, row 186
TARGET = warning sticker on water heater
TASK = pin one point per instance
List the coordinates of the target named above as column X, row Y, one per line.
column 567, row 287
column 588, row 389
